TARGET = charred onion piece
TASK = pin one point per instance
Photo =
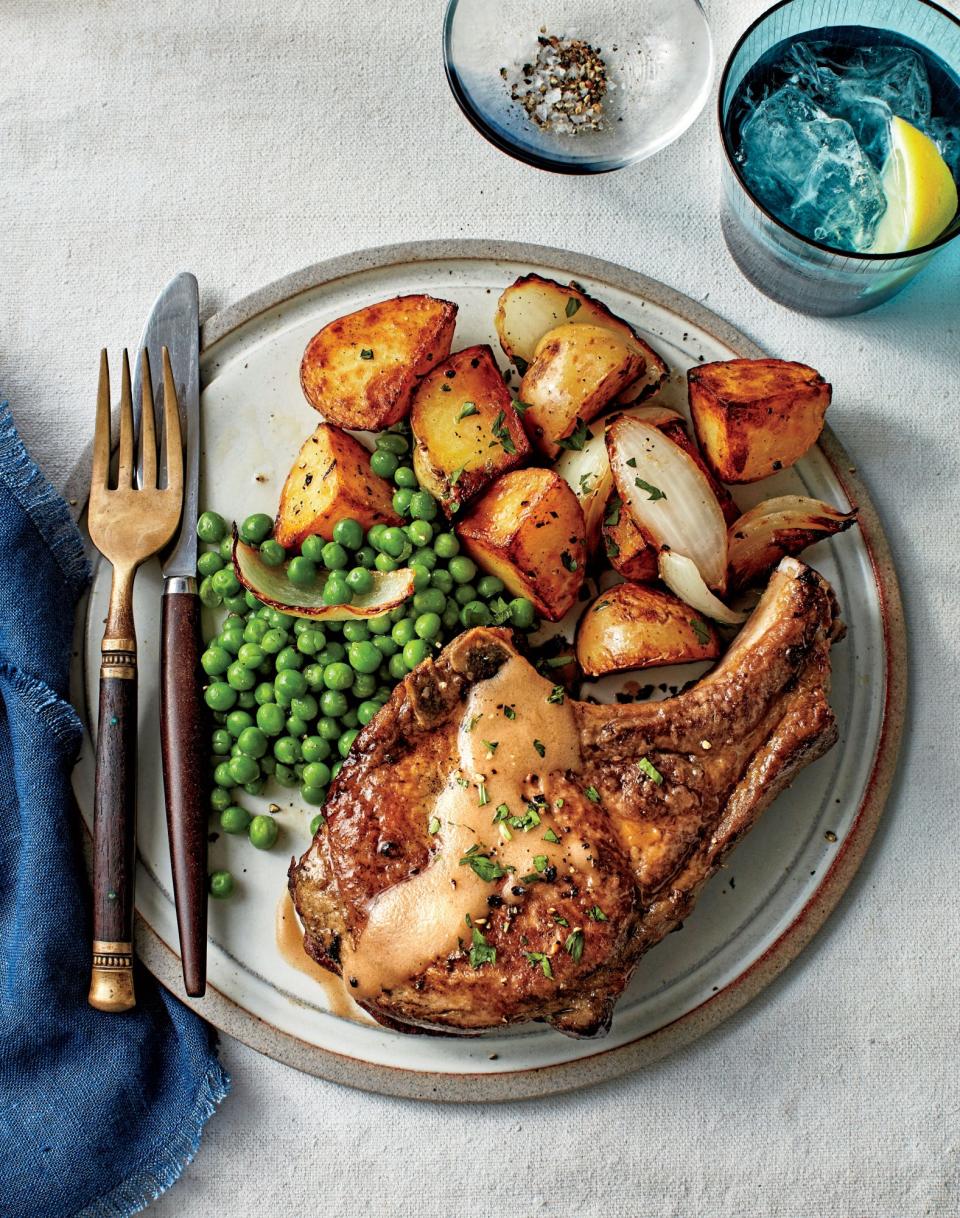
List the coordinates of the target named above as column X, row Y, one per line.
column 782, row 526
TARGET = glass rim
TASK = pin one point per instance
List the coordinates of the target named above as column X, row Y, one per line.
column 529, row 156
column 945, row 237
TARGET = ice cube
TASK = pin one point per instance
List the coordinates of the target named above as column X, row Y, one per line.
column 946, row 136
column 809, row 169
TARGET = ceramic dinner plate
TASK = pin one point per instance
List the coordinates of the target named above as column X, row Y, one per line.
column 753, row 917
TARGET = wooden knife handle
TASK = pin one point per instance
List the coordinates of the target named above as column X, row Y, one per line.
column 114, row 828
column 184, row 738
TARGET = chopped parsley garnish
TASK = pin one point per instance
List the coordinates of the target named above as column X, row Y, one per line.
column 510, row 712
column 560, row 921
column 540, row 747
column 500, row 611
column 538, row 958
column 701, row 630
column 501, row 812
column 550, row 836
column 653, row 492
column 490, row 745
column 466, row 410
column 519, row 406
column 540, row 862
column 632, row 462
column 480, row 951
column 574, row 944
column 651, row 771
column 613, row 510
column 585, row 483
column 556, row 695
column 611, row 547
column 529, row 820
column 456, row 475
column 502, row 433
column 366, row 353
column 596, row 914
column 434, row 826
column 521, row 365
column 592, row 794
column 482, row 796
column 559, row 661
column 569, row 561
column 558, row 803
column 484, row 866
column 532, row 878
column 577, row 438
column 461, row 781
column 572, row 306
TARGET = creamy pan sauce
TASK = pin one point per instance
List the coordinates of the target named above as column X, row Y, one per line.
column 511, row 741
column 289, row 936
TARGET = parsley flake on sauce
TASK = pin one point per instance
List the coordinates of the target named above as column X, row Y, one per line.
column 550, row 836
column 539, row 958
column 484, row 866
column 366, row 353
column 540, row 747
column 510, row 712
column 556, row 695
column 597, row 915
column 651, row 771
column 433, row 827
column 592, row 794
column 480, row 951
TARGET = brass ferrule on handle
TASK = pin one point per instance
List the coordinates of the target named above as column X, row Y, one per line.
column 118, row 659
column 111, row 978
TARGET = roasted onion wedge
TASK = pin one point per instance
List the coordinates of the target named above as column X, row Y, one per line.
column 632, row 626
column 668, row 496
column 778, row 527
column 682, row 577
column 271, row 585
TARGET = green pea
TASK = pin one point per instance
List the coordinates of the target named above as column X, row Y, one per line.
column 430, row 600
column 446, row 545
column 309, row 642
column 313, row 675
column 363, row 657
column 451, row 616
column 224, row 582
column 208, row 594
column 220, row 696
column 414, row 653
column 254, row 630
column 312, row 795
column 462, row 569
column 366, row 711
column 335, row 556
column 522, row 613
column 252, row 601
column 238, row 721
column 296, row 727
column 489, row 586
column 312, row 547
column 240, row 677
column 211, row 527
column 383, row 462
column 386, row 645
column 336, row 590
column 301, row 572
column 225, row 549
column 393, row 442
column 268, row 764
column 305, row 707
column 327, row 726
column 221, row 741
column 236, row 604
column 270, row 718
column 220, row 798
column 287, row 750
column 333, row 703
column 349, row 718
column 315, row 748
column 288, row 658
column 272, row 553
column 420, row 532
column 443, row 580
column 256, row 528
column 243, row 769
column 251, row 655
column 398, row 667
column 215, row 660
column 338, row 676
column 290, row 683
column 404, row 477
column 222, row 776
column 423, row 506
column 263, row 832
column 282, row 621
column 421, row 577
column 427, row 626
column 386, row 564
column 393, row 542
column 231, row 637
column 355, row 632
column 401, row 500
column 348, row 532
column 253, row 742
column 403, row 631
column 465, row 593
column 234, row 819
column 315, row 824
column 364, row 683
column 333, row 652
column 374, row 533
column 246, row 699
column 221, row 885
column 263, row 693
column 359, row 580
column 316, row 774
column 379, row 625
column 274, row 641
column 285, row 775
column 345, row 743
column 475, row 613
column 335, row 769
column 209, row 563
column 366, row 557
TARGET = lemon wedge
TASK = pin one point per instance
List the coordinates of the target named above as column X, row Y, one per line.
column 921, row 193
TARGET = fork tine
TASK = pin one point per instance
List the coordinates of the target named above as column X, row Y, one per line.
column 100, row 473
column 148, row 438
column 125, row 470
column 171, row 428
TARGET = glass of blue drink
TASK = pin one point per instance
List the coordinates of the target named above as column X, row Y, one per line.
column 842, row 146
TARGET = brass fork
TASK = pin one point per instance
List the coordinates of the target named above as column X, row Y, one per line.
column 127, row 526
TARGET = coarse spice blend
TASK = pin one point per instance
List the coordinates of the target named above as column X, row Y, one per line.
column 563, row 89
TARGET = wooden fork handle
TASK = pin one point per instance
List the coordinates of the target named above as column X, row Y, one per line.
column 114, row 828
column 184, row 739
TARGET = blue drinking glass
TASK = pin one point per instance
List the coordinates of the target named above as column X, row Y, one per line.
column 793, row 269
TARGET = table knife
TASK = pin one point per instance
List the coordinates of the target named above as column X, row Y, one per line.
column 174, row 322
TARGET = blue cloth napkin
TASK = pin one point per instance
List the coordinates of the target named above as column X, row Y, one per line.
column 98, row 1113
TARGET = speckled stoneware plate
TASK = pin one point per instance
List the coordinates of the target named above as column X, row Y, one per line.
column 752, row 919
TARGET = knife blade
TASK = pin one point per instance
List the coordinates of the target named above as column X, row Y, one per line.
column 174, row 323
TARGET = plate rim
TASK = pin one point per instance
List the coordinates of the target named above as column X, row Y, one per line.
column 605, row 1064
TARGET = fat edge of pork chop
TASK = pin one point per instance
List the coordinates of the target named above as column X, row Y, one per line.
column 715, row 757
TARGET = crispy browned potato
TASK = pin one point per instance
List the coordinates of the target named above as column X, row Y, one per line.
column 755, row 416
column 631, row 626
column 533, row 305
column 625, row 546
column 576, row 371
column 331, row 478
column 466, row 429
column 360, row 370
column 528, row 529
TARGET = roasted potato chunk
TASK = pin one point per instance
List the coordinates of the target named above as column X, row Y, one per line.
column 630, row 626
column 528, row 529
column 625, row 546
column 360, row 370
column 576, row 371
column 755, row 416
column 331, row 478
column 466, row 429
column 532, row 306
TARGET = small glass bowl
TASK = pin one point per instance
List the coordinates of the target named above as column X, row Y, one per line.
column 659, row 57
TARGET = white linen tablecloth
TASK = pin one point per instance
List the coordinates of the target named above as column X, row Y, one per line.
column 244, row 140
